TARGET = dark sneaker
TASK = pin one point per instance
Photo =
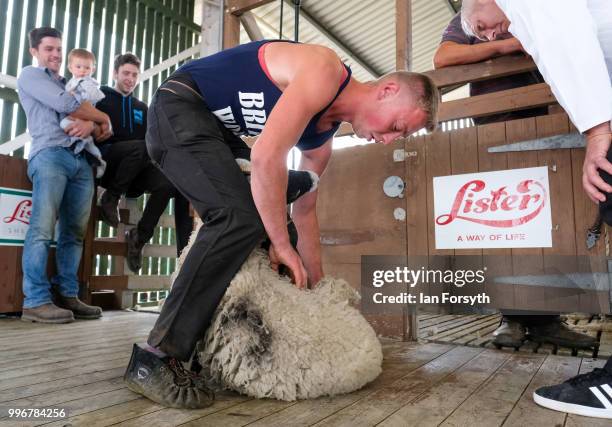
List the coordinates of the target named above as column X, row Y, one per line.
column 300, row 183
column 557, row 333
column 79, row 308
column 509, row 334
column 47, row 313
column 109, row 208
column 166, row 381
column 134, row 250
column 589, row 394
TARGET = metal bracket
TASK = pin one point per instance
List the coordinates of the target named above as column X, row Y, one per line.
column 572, row 140
column 400, row 155
column 581, row 282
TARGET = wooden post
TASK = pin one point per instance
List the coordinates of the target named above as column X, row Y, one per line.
column 231, row 29
column 403, row 35
column 250, row 25
column 403, row 61
column 211, row 33
column 87, row 259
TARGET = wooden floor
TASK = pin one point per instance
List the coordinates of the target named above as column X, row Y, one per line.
column 476, row 331
column 79, row 367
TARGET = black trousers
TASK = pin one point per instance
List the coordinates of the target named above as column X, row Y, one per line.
column 129, row 171
column 197, row 153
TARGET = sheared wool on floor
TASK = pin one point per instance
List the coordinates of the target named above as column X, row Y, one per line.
column 269, row 339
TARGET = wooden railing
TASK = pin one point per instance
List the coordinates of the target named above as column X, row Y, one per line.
column 522, row 98
column 119, row 288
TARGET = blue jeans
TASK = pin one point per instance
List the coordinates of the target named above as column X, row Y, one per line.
column 63, row 188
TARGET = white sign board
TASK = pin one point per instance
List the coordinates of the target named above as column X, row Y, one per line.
column 15, row 210
column 502, row 209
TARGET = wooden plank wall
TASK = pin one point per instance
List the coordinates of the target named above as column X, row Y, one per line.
column 356, row 218
column 13, row 174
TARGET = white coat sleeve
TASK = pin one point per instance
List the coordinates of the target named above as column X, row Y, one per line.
column 561, row 36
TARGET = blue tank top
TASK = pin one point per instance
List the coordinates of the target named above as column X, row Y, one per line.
column 238, row 90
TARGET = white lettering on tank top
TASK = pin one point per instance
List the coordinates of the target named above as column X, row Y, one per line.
column 227, row 118
column 253, row 111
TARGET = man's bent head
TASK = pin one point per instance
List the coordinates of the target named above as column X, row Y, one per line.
column 483, row 19
column 402, row 103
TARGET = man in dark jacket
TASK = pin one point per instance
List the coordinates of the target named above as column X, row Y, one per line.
column 129, row 170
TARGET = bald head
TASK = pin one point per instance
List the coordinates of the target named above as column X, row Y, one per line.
column 483, row 19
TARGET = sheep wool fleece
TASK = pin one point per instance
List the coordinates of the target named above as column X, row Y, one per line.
column 268, row 339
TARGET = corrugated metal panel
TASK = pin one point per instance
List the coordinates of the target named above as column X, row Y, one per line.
column 366, row 29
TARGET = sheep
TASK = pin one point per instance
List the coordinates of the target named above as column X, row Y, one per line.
column 268, row 339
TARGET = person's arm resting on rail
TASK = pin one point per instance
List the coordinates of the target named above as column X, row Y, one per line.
column 453, row 53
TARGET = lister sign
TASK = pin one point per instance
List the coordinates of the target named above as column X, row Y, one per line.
column 503, row 209
column 15, row 210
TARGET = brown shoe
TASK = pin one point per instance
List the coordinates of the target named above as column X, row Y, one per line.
column 47, row 313
column 79, row 308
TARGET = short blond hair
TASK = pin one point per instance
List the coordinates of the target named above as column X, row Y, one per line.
column 423, row 92
column 81, row 53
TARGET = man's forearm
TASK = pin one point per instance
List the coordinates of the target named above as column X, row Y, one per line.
column 86, row 111
column 603, row 128
column 269, row 187
column 309, row 241
column 459, row 54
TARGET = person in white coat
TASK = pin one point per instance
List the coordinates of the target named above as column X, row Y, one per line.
column 571, row 43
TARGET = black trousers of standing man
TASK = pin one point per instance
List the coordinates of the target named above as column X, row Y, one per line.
column 197, row 154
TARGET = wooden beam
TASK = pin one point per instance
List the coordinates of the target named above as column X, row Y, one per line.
column 148, row 282
column 231, row 30
column 537, row 95
column 403, row 62
column 238, row 7
column 250, row 25
column 160, row 251
column 497, row 67
column 211, row 35
column 114, row 282
column 403, row 35
column 109, row 246
column 87, row 260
